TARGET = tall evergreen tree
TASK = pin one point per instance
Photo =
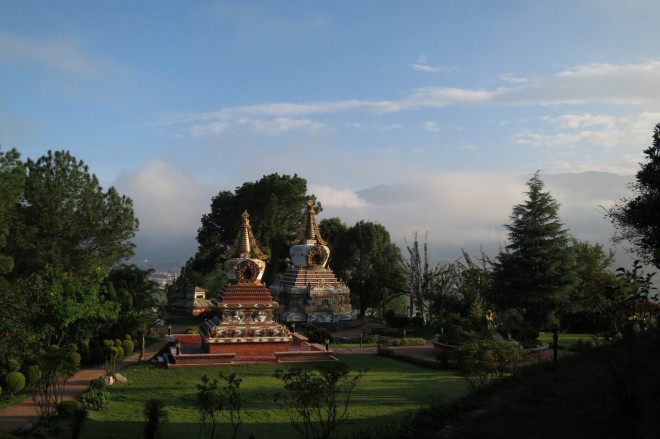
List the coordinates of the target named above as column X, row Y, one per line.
column 637, row 219
column 535, row 272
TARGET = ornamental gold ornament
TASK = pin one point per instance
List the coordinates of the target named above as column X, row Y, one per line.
column 247, row 271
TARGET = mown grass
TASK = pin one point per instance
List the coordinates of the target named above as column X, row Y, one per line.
column 389, row 391
column 566, row 341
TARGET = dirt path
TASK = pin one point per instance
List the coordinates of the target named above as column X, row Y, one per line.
column 18, row 415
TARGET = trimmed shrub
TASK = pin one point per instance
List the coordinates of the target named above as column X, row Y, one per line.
column 192, row 330
column 66, row 409
column 73, row 347
column 120, row 351
column 84, row 344
column 117, row 343
column 33, row 374
column 127, row 337
column 15, row 382
column 108, row 343
column 75, row 358
column 128, row 346
column 408, row 341
column 13, row 365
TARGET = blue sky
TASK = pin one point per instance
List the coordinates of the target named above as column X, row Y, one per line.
column 172, row 102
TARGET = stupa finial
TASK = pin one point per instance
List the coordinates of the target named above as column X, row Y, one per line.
column 245, row 245
column 311, row 233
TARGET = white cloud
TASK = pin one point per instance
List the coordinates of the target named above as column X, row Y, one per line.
column 629, row 84
column 576, row 129
column 335, row 198
column 274, row 126
column 64, row 55
column 422, row 66
column 511, row 79
column 431, row 126
column 468, row 210
column 167, row 199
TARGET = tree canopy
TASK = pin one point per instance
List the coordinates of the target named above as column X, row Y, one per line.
column 276, row 204
column 67, row 222
column 637, row 219
column 535, row 272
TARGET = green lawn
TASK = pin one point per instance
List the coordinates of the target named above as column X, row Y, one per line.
column 389, row 391
column 566, row 340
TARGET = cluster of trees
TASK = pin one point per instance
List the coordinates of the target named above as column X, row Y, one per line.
column 62, row 238
column 541, row 278
column 362, row 255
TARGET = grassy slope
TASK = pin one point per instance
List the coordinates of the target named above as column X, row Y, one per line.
column 389, row 391
column 587, row 397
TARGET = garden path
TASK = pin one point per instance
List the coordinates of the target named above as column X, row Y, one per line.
column 18, row 415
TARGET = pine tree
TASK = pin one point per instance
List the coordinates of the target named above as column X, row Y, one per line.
column 535, row 272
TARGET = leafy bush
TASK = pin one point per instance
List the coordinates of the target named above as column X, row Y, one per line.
column 128, row 346
column 485, row 359
column 409, row 341
column 13, row 365
column 97, row 397
column 14, row 382
column 127, row 337
column 117, row 343
column 73, row 347
column 110, row 352
column 108, row 343
column 314, row 334
column 192, row 330
column 33, row 374
column 120, row 352
column 512, row 323
column 66, row 409
column 583, row 344
column 75, row 358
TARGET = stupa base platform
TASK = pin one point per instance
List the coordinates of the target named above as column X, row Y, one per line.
column 192, row 352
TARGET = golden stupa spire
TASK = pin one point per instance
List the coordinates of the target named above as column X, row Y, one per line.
column 245, row 244
column 311, row 230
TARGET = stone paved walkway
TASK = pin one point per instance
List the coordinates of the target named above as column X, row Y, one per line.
column 17, row 415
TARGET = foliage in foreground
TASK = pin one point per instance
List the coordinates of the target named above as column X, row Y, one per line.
column 317, row 401
column 604, row 392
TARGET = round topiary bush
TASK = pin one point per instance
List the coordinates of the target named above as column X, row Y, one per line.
column 108, row 343
column 15, row 381
column 120, row 352
column 33, row 374
column 117, row 342
column 128, row 346
column 66, row 409
column 75, row 358
column 127, row 337
column 13, row 365
column 73, row 347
